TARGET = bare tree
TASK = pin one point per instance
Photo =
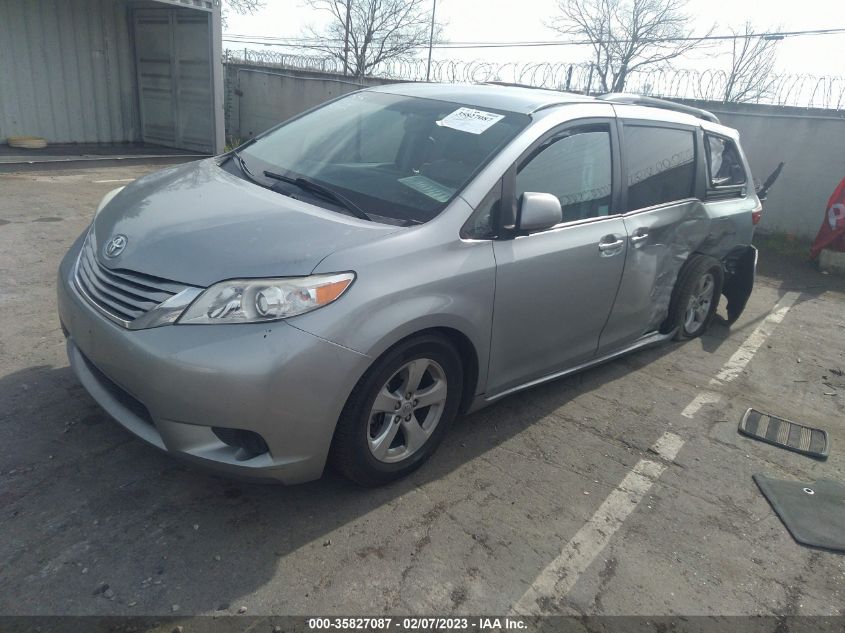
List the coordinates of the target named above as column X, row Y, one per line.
column 627, row 35
column 379, row 31
column 244, row 7
column 752, row 62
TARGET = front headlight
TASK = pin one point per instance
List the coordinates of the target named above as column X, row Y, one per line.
column 256, row 300
column 106, row 199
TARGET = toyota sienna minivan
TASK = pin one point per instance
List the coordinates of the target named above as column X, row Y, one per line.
column 340, row 288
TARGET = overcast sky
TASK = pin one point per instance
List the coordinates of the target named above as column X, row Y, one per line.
column 520, row 20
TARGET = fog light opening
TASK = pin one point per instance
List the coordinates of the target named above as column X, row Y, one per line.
column 249, row 443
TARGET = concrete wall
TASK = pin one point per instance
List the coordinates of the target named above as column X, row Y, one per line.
column 810, row 142
column 259, row 97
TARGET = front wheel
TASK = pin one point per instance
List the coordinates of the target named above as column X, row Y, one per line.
column 399, row 411
column 696, row 297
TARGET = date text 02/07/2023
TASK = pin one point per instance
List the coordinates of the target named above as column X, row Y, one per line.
column 418, row 623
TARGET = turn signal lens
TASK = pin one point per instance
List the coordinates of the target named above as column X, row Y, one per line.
column 331, row 291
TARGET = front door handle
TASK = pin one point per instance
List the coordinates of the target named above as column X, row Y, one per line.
column 611, row 245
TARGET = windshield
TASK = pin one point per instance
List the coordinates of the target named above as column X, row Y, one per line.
column 393, row 156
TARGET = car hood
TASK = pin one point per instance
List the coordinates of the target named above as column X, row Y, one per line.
column 198, row 224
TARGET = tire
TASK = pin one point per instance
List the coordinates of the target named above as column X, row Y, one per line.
column 689, row 311
column 370, row 446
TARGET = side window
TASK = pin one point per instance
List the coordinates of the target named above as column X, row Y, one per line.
column 661, row 165
column 724, row 167
column 576, row 169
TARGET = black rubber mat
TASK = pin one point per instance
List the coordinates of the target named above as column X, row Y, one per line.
column 813, row 513
column 790, row 435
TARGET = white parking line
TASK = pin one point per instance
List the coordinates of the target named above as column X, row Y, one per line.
column 115, row 180
column 560, row 576
column 667, row 446
column 742, row 356
column 746, row 351
column 705, row 397
column 562, row 573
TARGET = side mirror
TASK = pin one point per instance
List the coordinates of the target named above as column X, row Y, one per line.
column 539, row 211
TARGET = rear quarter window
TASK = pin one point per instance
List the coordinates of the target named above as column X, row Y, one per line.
column 724, row 166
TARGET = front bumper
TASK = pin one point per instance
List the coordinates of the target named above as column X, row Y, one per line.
column 170, row 385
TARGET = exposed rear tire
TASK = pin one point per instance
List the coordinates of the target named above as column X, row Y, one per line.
column 399, row 411
column 695, row 298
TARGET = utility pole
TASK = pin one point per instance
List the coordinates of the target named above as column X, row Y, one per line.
column 431, row 40
column 346, row 40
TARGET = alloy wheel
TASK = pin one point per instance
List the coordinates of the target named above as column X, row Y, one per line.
column 407, row 410
column 698, row 307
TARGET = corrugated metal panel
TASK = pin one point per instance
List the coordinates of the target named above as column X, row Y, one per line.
column 206, row 5
column 196, row 105
column 173, row 49
column 154, row 47
column 67, row 71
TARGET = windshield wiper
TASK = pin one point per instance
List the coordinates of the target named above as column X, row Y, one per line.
column 323, row 191
column 242, row 164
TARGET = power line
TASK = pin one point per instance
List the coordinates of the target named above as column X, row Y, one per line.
column 301, row 42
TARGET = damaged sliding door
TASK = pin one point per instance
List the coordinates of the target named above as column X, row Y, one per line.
column 664, row 224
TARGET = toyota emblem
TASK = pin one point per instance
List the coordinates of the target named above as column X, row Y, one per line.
column 115, row 246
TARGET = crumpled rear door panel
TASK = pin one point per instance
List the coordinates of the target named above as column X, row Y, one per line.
column 659, row 242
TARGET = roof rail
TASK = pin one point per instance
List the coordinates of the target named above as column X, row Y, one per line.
column 653, row 102
column 511, row 84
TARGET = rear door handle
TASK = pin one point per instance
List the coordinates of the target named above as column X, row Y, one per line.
column 639, row 235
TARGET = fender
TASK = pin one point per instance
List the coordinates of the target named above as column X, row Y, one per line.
column 382, row 324
column 465, row 337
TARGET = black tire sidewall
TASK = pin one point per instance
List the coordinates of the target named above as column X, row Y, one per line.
column 356, row 460
column 695, row 269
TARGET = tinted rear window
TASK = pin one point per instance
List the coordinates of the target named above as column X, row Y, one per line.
column 661, row 165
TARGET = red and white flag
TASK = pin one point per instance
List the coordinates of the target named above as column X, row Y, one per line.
column 832, row 232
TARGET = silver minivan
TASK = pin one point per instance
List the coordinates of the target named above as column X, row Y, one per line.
column 340, row 288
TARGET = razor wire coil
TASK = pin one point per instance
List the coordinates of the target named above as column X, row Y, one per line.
column 797, row 90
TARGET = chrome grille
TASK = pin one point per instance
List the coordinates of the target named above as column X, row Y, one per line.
column 121, row 295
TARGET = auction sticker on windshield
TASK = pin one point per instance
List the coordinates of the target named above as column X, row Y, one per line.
column 470, row 120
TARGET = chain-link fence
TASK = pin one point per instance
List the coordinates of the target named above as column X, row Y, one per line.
column 806, row 91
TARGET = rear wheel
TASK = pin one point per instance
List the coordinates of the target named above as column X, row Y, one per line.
column 399, row 411
column 696, row 297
